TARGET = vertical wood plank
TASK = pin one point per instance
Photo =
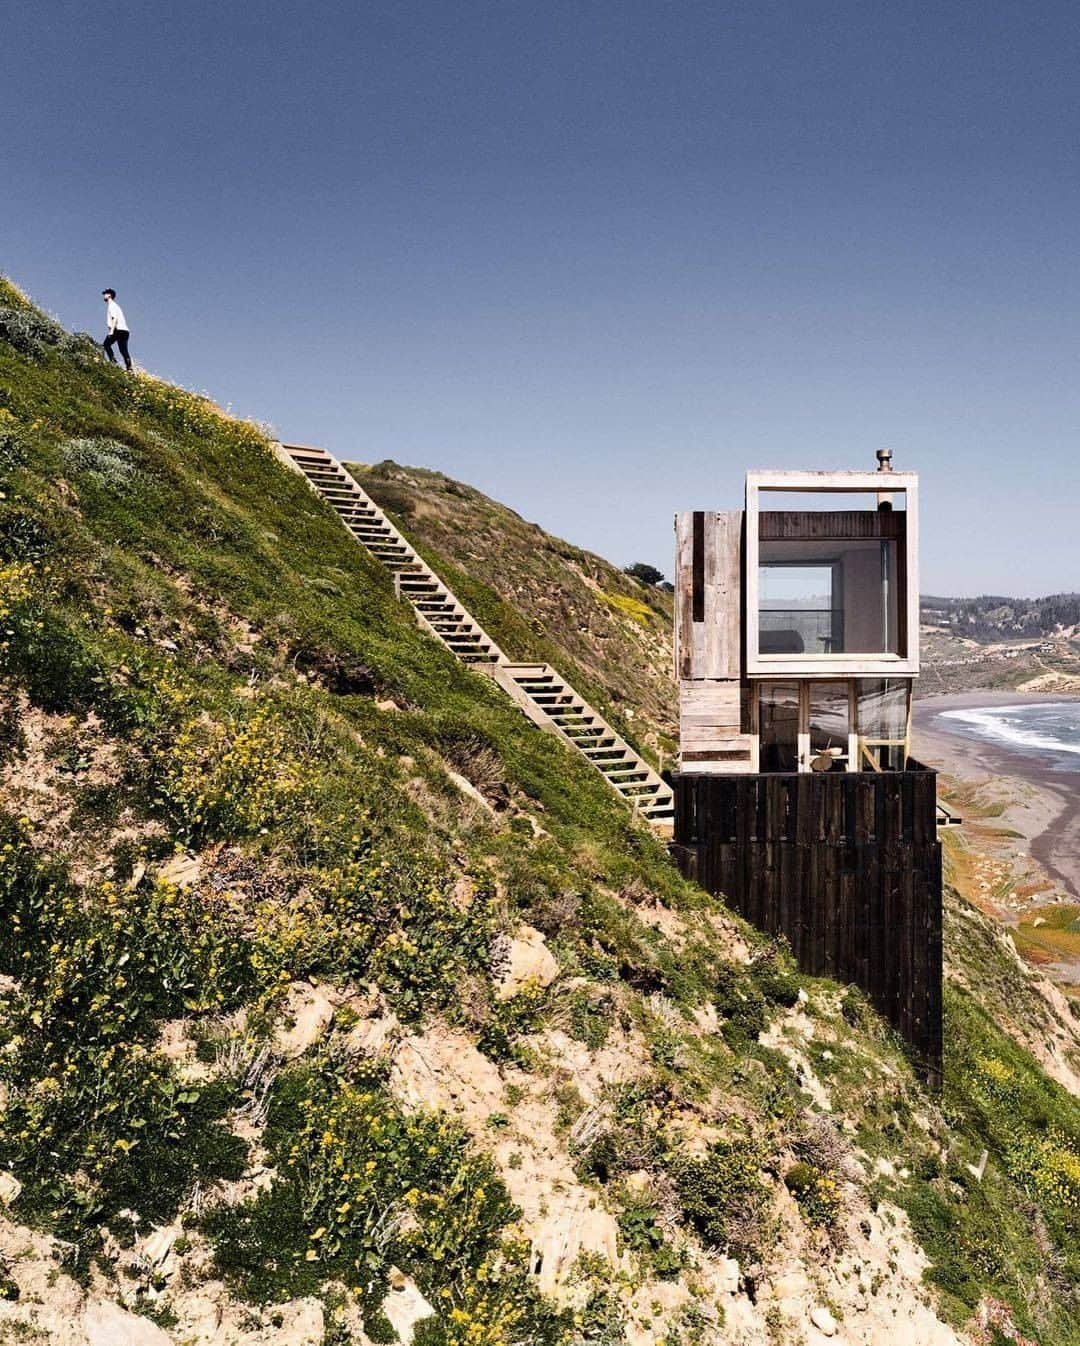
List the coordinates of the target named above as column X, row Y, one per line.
column 847, row 867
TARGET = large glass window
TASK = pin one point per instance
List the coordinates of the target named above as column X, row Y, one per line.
column 820, row 597
column 838, row 724
column 829, row 721
column 800, row 608
column 778, row 726
column 882, row 720
column 882, row 708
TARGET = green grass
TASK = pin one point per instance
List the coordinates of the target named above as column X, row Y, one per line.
column 1014, row 1235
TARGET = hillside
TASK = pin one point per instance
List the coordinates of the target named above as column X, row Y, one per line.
column 988, row 618
column 1005, row 643
column 340, row 1005
column 543, row 598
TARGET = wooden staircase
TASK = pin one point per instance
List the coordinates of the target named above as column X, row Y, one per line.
column 438, row 611
column 545, row 697
column 549, row 701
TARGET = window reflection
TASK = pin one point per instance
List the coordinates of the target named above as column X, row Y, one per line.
column 778, row 721
column 824, row 597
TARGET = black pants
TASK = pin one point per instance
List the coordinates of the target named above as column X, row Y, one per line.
column 118, row 338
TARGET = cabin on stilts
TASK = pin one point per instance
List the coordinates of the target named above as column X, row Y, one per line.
column 796, row 795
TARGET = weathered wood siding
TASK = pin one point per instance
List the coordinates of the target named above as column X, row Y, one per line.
column 708, row 642
column 708, row 594
column 846, row 865
column 711, row 727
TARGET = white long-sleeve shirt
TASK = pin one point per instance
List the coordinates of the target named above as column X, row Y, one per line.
column 114, row 318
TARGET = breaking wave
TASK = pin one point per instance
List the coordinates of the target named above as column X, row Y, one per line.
column 1049, row 729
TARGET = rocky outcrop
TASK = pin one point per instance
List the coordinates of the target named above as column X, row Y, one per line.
column 525, row 958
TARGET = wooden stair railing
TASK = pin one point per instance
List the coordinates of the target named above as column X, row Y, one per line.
column 542, row 693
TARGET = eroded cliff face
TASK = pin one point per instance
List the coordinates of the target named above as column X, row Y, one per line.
column 303, row 1041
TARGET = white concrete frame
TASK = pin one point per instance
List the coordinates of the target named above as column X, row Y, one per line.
column 833, row 665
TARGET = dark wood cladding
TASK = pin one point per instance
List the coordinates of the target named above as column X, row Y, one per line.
column 697, row 576
column 794, row 525
column 845, row 865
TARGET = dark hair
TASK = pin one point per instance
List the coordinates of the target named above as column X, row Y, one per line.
column 110, row 293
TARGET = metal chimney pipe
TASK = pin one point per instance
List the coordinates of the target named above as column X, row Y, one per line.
column 884, row 464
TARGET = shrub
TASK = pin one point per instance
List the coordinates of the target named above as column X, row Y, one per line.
column 108, row 463
column 497, row 1305
column 725, row 1199
column 13, row 450
column 776, row 977
column 425, row 944
column 507, row 1019
column 24, row 535
column 361, row 1185
column 94, row 1119
column 817, row 1193
column 29, row 331
column 630, row 607
column 234, row 778
column 640, row 1232
column 590, row 1018
column 644, row 573
column 740, row 1003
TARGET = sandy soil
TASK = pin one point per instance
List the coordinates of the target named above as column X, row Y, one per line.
column 1042, row 804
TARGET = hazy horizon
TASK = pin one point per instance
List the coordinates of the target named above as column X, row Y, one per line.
column 595, row 261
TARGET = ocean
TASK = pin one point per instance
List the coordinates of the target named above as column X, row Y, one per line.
column 1048, row 730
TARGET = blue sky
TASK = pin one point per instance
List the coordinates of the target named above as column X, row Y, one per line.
column 596, row 259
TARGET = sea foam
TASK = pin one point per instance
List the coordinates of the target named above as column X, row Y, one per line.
column 1048, row 728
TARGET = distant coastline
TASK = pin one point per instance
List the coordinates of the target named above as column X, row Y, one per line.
column 1049, row 819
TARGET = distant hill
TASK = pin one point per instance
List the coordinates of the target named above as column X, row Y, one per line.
column 1023, row 644
column 991, row 617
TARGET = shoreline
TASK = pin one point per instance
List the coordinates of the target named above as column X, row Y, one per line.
column 1048, row 813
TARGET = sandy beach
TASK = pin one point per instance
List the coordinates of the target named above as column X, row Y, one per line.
column 1039, row 803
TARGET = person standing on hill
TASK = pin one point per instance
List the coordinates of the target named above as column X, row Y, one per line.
column 116, row 333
